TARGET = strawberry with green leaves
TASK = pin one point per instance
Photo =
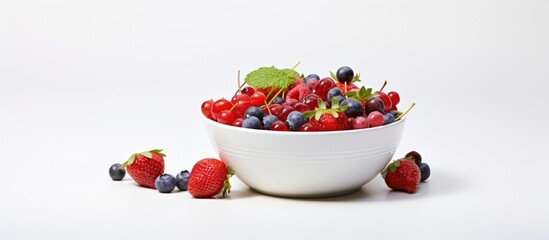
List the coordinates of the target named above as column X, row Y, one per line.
column 332, row 119
column 145, row 167
column 402, row 175
column 209, row 178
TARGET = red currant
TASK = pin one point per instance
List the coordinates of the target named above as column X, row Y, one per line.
column 278, row 126
column 290, row 102
column 395, row 98
column 310, row 100
column 238, row 122
column 242, row 106
column 301, row 107
column 226, row 117
column 257, row 99
column 284, row 112
column 307, row 127
column 274, row 108
column 206, row 108
column 375, row 119
column 239, row 97
column 220, row 105
column 323, row 86
column 248, row 91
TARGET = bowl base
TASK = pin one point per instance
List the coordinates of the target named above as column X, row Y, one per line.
column 312, row 195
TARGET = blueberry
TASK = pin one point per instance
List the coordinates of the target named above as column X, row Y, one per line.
column 116, row 173
column 278, row 100
column 309, row 77
column 254, row 111
column 395, row 113
column 354, row 107
column 425, row 171
column 334, row 92
column 388, row 118
column 181, row 180
column 345, row 74
column 268, row 120
column 294, row 120
column 251, row 122
column 165, row 183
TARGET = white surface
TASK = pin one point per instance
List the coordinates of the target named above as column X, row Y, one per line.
column 86, row 83
column 305, row 164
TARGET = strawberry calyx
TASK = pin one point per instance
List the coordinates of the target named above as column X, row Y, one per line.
column 147, row 154
column 322, row 109
column 227, row 185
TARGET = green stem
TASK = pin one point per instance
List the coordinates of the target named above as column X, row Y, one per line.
column 401, row 115
column 296, row 65
column 272, row 99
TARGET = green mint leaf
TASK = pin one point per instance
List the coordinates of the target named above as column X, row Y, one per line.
column 271, row 77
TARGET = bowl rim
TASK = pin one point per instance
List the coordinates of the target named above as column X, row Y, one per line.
column 290, row 133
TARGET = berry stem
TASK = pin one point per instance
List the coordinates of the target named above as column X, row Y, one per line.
column 382, row 87
column 267, row 106
column 296, row 65
column 238, row 79
column 404, row 113
column 230, row 110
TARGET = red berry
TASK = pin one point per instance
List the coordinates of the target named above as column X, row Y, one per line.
column 290, row 102
column 278, row 126
column 311, row 101
column 206, row 108
column 209, row 177
column 323, row 86
column 387, row 104
column 312, row 84
column 402, row 175
column 240, row 109
column 145, row 167
column 220, row 105
column 248, row 91
column 238, row 122
column 301, row 107
column 360, row 122
column 284, row 112
column 307, row 127
column 257, row 99
column 395, row 98
column 350, row 87
column 240, row 97
column 226, row 117
column 298, row 92
column 375, row 119
column 274, row 108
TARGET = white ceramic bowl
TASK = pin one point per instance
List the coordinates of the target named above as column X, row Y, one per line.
column 305, row 164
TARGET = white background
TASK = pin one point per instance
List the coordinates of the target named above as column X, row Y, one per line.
column 83, row 84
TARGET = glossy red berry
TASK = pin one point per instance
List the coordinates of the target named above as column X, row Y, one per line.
column 248, row 91
column 220, row 105
column 278, row 126
column 226, row 117
column 274, row 108
column 284, row 112
column 395, row 98
column 387, row 103
column 206, row 108
column 360, row 122
column 307, row 127
column 240, row 97
column 301, row 107
column 238, row 122
column 311, row 100
column 323, row 86
column 258, row 99
column 375, row 119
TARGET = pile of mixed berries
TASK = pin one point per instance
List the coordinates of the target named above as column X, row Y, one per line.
column 292, row 102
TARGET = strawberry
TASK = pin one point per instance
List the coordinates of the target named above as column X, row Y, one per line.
column 145, row 167
column 332, row 119
column 402, row 175
column 209, row 178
